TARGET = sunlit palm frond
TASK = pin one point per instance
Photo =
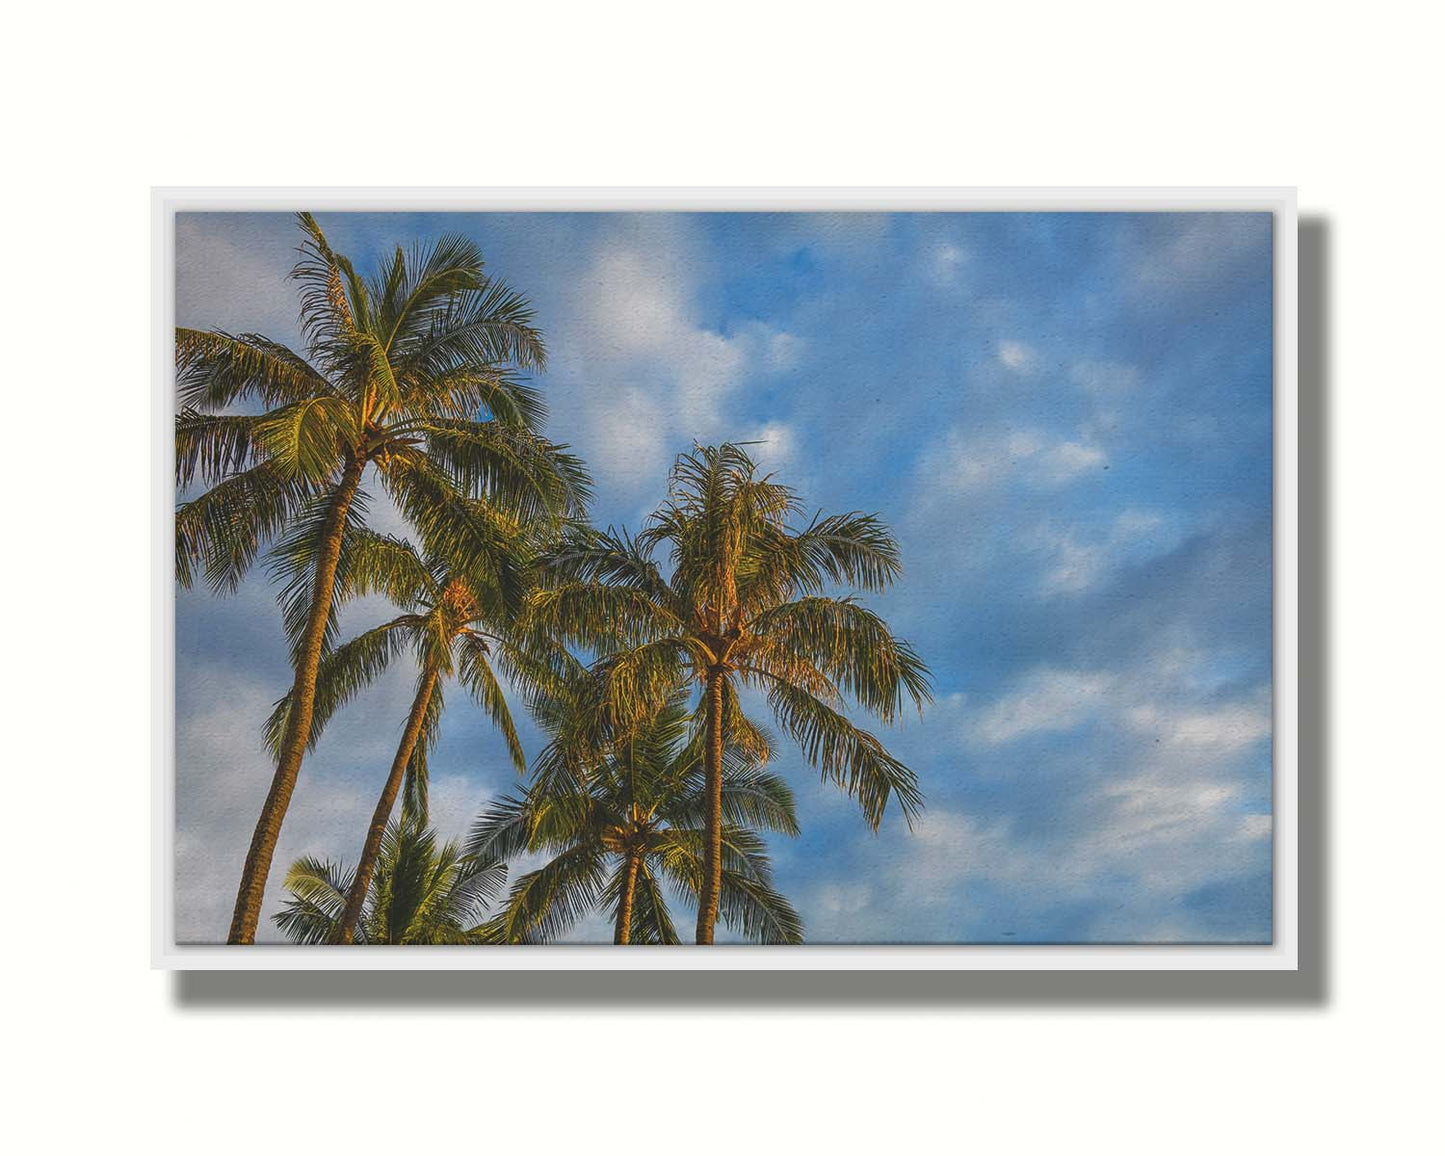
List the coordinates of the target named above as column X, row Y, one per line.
column 851, row 645
column 599, row 617
column 510, row 467
column 308, row 439
column 318, row 890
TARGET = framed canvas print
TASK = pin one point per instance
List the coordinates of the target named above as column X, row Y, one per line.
column 777, row 579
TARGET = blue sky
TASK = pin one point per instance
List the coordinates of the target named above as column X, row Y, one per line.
column 1066, row 418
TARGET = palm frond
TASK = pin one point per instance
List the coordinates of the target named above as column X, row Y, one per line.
column 307, row 440
column 476, row 674
column 511, row 468
column 341, row 675
column 318, row 890
column 213, row 446
column 845, row 754
column 651, row 919
column 478, row 541
column 215, row 370
column 851, row 645
column 221, row 531
column 545, row 903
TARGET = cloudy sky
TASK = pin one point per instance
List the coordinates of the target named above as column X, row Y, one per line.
column 1066, row 418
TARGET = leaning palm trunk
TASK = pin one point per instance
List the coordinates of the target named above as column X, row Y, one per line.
column 298, row 728
column 361, row 882
column 712, row 845
column 624, row 900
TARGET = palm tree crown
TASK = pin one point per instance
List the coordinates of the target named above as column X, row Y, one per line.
column 412, row 372
column 454, row 627
column 746, row 605
column 421, row 893
column 620, row 830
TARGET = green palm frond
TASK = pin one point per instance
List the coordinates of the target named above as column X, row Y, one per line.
column 846, row 754
column 475, row 672
column 751, row 797
column 421, row 893
column 748, row 903
column 511, row 467
column 221, row 531
column 415, row 289
column 757, row 912
column 216, row 370
column 318, row 890
column 600, row 617
column 488, row 326
column 213, row 446
column 334, row 300
column 851, row 645
column 636, row 794
column 307, row 439
column 476, row 539
column 293, row 560
column 342, row 674
column 545, row 903
column 651, row 919
column 416, row 784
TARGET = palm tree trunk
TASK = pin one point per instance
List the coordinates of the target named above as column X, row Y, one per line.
column 623, row 934
column 361, row 882
column 712, row 836
column 298, row 725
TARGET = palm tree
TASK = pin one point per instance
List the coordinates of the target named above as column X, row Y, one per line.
column 454, row 626
column 413, row 372
column 421, row 894
column 745, row 605
column 633, row 823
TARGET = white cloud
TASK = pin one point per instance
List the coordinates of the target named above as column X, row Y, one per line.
column 783, row 350
column 656, row 376
column 1049, row 701
column 1017, row 356
column 974, row 464
column 945, row 263
column 1229, row 727
column 1190, row 251
column 1077, row 563
column 1157, row 804
column 629, row 439
column 773, row 445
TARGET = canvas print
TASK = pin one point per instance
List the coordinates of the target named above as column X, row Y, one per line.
column 673, row 578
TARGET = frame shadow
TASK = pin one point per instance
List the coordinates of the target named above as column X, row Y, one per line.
column 1307, row 988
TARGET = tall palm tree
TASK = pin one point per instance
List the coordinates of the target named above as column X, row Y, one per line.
column 633, row 823
column 413, row 372
column 421, row 893
column 745, row 605
column 455, row 627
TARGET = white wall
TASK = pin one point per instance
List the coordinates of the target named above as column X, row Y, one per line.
column 114, row 100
